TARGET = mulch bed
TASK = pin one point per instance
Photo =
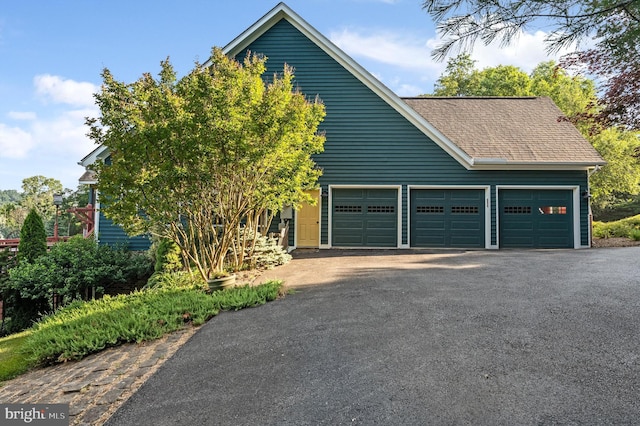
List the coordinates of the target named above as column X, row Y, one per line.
column 614, row 242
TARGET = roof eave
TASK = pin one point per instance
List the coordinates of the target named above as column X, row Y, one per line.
column 502, row 164
column 282, row 11
column 100, row 153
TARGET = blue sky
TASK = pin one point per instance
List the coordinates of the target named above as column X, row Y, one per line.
column 52, row 54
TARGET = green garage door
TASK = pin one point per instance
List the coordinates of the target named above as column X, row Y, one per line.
column 536, row 218
column 364, row 217
column 447, row 218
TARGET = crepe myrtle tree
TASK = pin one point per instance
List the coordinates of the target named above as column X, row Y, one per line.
column 197, row 159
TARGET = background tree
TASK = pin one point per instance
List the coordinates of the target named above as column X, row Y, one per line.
column 616, row 182
column 614, row 25
column 9, row 196
column 192, row 159
column 38, row 194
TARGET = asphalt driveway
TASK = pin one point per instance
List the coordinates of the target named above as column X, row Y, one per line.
column 417, row 337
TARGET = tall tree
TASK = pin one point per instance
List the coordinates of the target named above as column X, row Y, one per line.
column 192, row 159
column 614, row 26
column 38, row 194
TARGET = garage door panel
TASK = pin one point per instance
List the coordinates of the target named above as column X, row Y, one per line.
column 364, row 217
column 447, row 218
column 536, row 218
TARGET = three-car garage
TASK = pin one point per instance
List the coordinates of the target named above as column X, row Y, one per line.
column 452, row 217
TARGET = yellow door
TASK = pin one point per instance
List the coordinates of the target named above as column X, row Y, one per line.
column 308, row 223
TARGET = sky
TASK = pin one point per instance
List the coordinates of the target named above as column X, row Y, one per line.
column 53, row 52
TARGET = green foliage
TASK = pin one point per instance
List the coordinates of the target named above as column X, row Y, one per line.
column 69, row 270
column 635, row 234
column 33, row 238
column 623, row 228
column 168, row 258
column 191, row 159
column 267, row 253
column 619, row 179
column 9, row 196
column 38, row 194
column 176, row 280
column 13, row 357
column 83, row 328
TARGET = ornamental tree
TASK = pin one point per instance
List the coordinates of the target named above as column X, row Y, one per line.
column 196, row 159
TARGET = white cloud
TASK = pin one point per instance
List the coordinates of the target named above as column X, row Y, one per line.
column 65, row 134
column 59, row 90
column 527, row 51
column 388, row 47
column 22, row 115
column 14, row 142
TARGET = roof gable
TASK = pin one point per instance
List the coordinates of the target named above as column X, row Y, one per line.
column 282, row 11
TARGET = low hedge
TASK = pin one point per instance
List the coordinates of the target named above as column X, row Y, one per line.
column 83, row 328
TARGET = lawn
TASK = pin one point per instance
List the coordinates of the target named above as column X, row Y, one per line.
column 13, row 359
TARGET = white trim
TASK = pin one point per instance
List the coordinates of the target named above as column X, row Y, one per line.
column 282, row 11
column 487, row 207
column 295, row 223
column 96, row 218
column 480, row 164
column 398, row 189
column 576, row 207
column 100, row 153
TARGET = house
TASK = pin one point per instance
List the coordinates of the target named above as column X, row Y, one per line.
column 421, row 172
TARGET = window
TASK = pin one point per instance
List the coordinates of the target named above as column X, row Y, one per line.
column 430, row 209
column 517, row 210
column 381, row 209
column 347, row 209
column 464, row 209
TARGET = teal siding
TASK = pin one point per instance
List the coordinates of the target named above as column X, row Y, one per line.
column 113, row 235
column 369, row 143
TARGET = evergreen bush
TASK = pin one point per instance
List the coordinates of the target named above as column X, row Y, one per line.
column 33, row 238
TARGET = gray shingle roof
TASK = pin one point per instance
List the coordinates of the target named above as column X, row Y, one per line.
column 516, row 130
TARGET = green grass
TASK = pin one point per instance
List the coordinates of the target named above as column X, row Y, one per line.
column 83, row 328
column 13, row 359
column 625, row 228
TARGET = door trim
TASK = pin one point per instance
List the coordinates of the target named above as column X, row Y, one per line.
column 576, row 207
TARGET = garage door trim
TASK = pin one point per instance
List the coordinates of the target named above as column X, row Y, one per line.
column 487, row 204
column 398, row 189
column 576, row 206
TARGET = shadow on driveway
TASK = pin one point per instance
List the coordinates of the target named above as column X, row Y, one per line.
column 417, row 337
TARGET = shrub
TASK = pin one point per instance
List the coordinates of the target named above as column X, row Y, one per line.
column 176, row 280
column 635, row 234
column 266, row 253
column 76, row 269
column 168, row 258
column 33, row 238
column 86, row 327
column 619, row 228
